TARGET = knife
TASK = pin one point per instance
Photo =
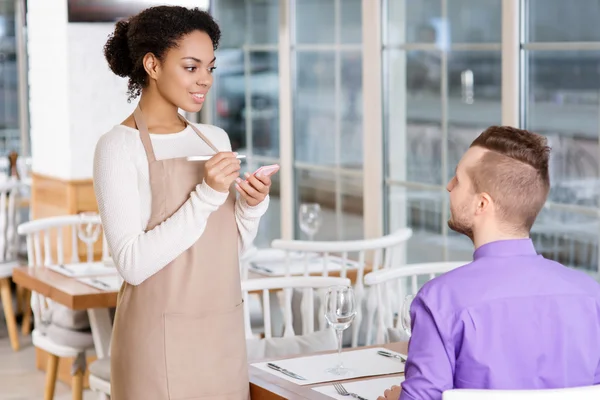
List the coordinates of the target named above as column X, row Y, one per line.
column 260, row 268
column 99, row 282
column 66, row 269
column 391, row 355
column 285, row 371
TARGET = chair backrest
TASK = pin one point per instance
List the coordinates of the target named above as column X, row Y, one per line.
column 287, row 284
column 10, row 192
column 45, row 236
column 389, row 289
column 43, row 231
column 382, row 253
column 579, row 393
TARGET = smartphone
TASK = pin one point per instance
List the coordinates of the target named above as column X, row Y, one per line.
column 267, row 170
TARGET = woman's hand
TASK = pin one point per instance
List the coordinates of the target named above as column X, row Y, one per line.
column 254, row 189
column 221, row 171
column 391, row 394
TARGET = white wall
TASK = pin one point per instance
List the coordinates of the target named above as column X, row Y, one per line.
column 73, row 96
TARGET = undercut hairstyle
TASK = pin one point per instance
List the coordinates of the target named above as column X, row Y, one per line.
column 514, row 172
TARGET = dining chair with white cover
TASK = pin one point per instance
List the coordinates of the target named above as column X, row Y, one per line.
column 576, row 393
column 59, row 331
column 388, row 289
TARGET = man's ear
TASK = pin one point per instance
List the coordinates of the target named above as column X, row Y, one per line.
column 484, row 203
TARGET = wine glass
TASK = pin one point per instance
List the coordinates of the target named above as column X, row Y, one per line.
column 340, row 309
column 88, row 231
column 405, row 317
column 310, row 219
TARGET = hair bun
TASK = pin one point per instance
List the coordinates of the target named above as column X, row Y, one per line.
column 116, row 50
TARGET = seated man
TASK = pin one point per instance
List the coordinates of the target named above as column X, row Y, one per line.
column 511, row 319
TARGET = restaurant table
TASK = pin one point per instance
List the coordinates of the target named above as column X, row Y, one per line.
column 268, row 386
column 75, row 295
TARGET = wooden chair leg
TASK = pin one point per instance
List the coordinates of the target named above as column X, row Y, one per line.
column 9, row 313
column 26, row 321
column 51, row 372
column 20, row 297
column 77, row 385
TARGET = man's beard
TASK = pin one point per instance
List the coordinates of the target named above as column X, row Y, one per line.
column 461, row 227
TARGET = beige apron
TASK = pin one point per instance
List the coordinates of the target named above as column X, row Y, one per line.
column 180, row 334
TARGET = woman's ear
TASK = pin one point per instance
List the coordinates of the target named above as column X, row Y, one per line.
column 151, row 65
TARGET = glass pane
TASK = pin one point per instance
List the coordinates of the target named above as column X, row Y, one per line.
column 475, row 21
column 413, row 114
column 315, row 21
column 474, row 99
column 563, row 21
column 231, row 15
column 320, row 187
column 247, row 22
column 351, row 11
column 413, row 21
column 229, row 92
column 351, row 135
column 314, row 108
column 10, row 139
column 563, row 104
column 421, row 210
column 569, row 238
column 264, row 93
column 263, row 21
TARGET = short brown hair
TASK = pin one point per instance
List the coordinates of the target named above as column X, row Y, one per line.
column 514, row 172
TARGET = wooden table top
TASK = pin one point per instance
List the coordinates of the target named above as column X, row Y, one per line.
column 267, row 386
column 63, row 289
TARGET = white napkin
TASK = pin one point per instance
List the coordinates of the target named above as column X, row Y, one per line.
column 369, row 389
column 365, row 362
column 83, row 269
column 298, row 266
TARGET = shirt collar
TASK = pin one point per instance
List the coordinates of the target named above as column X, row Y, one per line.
column 506, row 248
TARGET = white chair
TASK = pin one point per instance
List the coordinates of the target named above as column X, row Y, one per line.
column 389, row 288
column 99, row 377
column 578, row 393
column 379, row 253
column 309, row 342
column 69, row 339
column 9, row 201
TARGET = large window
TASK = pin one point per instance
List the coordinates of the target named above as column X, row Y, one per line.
column 442, row 86
column 246, row 90
column 449, row 69
column 561, row 74
column 327, row 113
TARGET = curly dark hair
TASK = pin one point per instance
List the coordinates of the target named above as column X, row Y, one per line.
column 154, row 30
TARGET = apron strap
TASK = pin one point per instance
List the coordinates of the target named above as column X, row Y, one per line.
column 140, row 122
column 202, row 136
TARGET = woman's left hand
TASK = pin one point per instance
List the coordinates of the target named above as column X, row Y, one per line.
column 254, row 189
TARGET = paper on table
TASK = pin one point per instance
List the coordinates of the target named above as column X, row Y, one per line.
column 83, row 269
column 365, row 362
column 370, row 389
column 298, row 266
column 110, row 283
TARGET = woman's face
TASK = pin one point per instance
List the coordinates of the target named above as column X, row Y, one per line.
column 185, row 75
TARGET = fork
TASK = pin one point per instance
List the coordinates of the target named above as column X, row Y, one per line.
column 343, row 392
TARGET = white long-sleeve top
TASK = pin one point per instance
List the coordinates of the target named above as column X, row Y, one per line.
column 122, row 187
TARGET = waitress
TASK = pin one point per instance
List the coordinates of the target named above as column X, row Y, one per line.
column 174, row 227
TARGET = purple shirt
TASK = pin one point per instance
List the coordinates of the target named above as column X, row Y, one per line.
column 511, row 319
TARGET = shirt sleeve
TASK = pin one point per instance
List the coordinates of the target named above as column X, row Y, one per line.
column 248, row 219
column 430, row 366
